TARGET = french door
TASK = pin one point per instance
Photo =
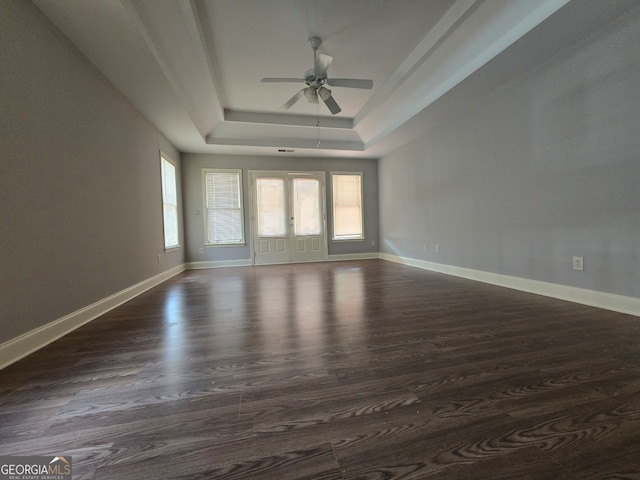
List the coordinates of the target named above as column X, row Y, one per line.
column 288, row 222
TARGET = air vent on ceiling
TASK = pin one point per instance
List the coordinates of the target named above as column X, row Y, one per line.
column 285, row 150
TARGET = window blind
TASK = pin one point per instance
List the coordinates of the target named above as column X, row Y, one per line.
column 224, row 207
column 347, row 206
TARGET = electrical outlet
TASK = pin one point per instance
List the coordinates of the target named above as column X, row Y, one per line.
column 578, row 263
column 425, row 247
column 159, row 259
column 437, row 248
column 201, row 250
column 373, row 243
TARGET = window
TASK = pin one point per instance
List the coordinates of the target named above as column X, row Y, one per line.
column 223, row 204
column 169, row 203
column 347, row 206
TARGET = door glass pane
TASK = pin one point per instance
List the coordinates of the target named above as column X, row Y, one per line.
column 306, row 206
column 271, row 207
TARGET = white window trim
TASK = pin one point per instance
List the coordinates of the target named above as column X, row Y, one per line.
column 243, row 241
column 360, row 238
column 166, row 158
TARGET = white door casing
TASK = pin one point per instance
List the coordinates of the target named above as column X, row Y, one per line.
column 288, row 220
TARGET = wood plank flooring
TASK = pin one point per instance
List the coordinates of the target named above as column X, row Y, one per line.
column 345, row 370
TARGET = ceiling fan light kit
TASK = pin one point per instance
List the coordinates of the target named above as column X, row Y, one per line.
column 316, row 79
column 310, row 94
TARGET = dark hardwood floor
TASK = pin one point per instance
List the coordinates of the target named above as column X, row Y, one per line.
column 346, row 370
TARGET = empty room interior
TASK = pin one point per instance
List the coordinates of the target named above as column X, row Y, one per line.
column 293, row 239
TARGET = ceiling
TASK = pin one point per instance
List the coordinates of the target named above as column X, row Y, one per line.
column 193, row 67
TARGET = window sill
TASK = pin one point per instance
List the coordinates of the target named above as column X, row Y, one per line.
column 243, row 244
column 361, row 239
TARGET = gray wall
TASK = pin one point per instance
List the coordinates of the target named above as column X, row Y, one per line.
column 194, row 200
column 541, row 167
column 80, row 194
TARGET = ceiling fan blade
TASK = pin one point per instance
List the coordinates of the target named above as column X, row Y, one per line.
column 351, row 83
column 325, row 94
column 282, row 80
column 321, row 65
column 332, row 105
column 292, row 100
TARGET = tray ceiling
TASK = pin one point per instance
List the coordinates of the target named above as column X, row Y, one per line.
column 193, row 67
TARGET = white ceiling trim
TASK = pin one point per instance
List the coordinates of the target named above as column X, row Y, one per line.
column 436, row 36
column 194, row 16
column 487, row 31
column 287, row 119
column 165, row 62
column 193, row 84
column 285, row 143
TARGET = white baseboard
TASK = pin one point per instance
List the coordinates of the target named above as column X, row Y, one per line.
column 352, row 256
column 592, row 298
column 245, row 262
column 25, row 344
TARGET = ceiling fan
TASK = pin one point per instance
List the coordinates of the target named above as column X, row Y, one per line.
column 316, row 80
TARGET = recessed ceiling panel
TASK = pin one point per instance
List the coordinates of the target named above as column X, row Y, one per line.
column 252, row 39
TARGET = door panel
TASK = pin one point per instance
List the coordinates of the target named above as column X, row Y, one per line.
column 270, row 225
column 288, row 219
column 307, row 201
